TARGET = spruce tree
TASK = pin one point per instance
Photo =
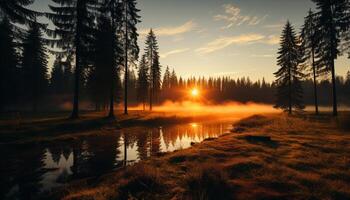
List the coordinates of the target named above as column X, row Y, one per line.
column 166, row 79
column 8, row 64
column 57, row 77
column 152, row 55
column 143, row 81
column 330, row 22
column 173, row 80
column 310, row 44
column 16, row 11
column 289, row 90
column 131, row 49
column 34, row 65
column 73, row 34
column 105, row 59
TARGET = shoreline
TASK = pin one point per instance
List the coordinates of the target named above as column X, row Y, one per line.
column 271, row 157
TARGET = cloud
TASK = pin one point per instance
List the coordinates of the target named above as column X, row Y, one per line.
column 272, row 40
column 278, row 26
column 234, row 18
column 224, row 42
column 263, row 56
column 176, row 51
column 171, row 30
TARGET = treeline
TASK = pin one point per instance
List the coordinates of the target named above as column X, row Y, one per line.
column 97, row 60
column 224, row 89
column 323, row 37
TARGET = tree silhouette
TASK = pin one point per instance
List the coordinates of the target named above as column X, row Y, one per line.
column 131, row 48
column 330, row 18
column 166, row 79
column 143, row 81
column 310, row 44
column 73, row 34
column 289, row 90
column 34, row 65
column 16, row 11
column 152, row 55
column 61, row 77
column 8, row 64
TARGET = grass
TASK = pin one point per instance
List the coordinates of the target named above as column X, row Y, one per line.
column 304, row 157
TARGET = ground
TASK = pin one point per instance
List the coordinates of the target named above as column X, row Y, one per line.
column 264, row 157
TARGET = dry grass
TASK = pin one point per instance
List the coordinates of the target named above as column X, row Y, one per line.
column 304, row 158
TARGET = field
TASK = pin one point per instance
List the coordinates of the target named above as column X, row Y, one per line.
column 264, row 157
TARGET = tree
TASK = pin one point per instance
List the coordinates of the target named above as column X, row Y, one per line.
column 131, row 48
column 143, row 81
column 73, row 35
column 173, row 80
column 34, row 65
column 310, row 41
column 330, row 21
column 57, row 77
column 289, row 90
column 152, row 55
column 8, row 64
column 61, row 77
column 106, row 56
column 16, row 12
column 166, row 79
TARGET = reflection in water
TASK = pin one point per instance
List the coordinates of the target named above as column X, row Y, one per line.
column 27, row 170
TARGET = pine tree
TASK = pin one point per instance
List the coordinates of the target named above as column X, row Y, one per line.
column 143, row 81
column 152, row 55
column 74, row 21
column 8, row 64
column 34, row 65
column 16, row 11
column 131, row 48
column 330, row 21
column 57, row 77
column 105, row 60
column 173, row 80
column 310, row 44
column 166, row 80
column 289, row 90
column 156, row 77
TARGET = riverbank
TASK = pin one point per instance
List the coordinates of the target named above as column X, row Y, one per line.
column 27, row 128
column 265, row 157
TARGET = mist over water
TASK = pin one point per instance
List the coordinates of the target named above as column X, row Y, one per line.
column 185, row 108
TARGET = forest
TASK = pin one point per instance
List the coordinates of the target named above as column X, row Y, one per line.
column 90, row 108
column 90, row 68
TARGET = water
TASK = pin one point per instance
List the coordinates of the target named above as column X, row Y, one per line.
column 30, row 169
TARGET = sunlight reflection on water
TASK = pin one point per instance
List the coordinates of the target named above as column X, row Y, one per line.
column 33, row 169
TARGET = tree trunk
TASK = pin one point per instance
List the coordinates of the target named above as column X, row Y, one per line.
column 126, row 62
column 152, row 83
column 315, row 83
column 334, row 90
column 111, row 103
column 290, row 91
column 75, row 112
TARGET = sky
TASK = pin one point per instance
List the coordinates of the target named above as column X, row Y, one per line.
column 233, row 38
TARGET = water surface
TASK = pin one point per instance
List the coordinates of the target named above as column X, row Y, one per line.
column 30, row 169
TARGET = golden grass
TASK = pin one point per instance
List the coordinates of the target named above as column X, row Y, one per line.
column 305, row 158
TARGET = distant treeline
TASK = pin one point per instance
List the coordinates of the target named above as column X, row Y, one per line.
column 97, row 60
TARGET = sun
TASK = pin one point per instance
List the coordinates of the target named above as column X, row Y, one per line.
column 194, row 92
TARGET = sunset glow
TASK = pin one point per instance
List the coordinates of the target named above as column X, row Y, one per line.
column 194, row 92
